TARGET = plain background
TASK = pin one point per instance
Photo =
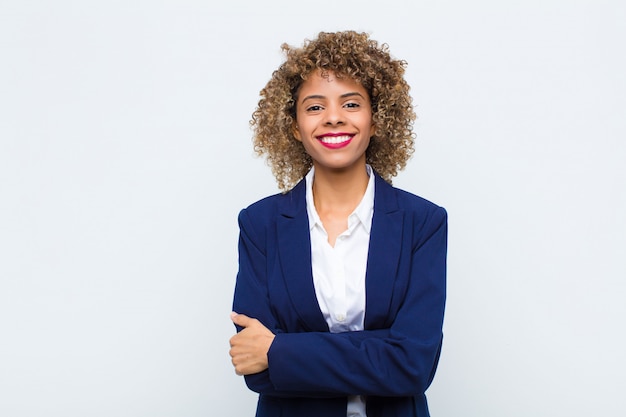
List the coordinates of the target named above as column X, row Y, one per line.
column 125, row 156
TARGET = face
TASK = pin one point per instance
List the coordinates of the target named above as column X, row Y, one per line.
column 334, row 121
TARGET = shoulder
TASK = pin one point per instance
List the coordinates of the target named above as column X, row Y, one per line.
column 391, row 198
column 422, row 218
column 414, row 203
column 266, row 204
column 268, row 208
column 424, row 215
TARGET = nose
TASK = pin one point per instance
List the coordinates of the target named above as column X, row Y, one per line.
column 334, row 116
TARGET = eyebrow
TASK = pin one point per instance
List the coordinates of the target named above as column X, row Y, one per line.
column 318, row 97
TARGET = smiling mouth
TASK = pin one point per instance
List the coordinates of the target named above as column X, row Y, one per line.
column 335, row 140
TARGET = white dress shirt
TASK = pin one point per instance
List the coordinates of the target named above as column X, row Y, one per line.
column 339, row 271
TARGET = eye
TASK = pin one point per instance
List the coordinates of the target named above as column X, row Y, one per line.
column 352, row 105
column 315, row 107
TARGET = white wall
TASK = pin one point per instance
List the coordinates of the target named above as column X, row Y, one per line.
column 125, row 156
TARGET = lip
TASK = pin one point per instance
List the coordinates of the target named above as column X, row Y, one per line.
column 335, row 140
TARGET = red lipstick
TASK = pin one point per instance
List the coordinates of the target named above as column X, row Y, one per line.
column 335, row 140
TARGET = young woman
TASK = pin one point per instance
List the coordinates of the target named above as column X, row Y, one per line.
column 340, row 293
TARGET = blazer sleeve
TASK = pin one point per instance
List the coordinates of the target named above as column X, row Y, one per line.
column 252, row 299
column 398, row 361
column 395, row 361
column 251, row 290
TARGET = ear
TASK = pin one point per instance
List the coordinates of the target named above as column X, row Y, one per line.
column 296, row 131
column 373, row 129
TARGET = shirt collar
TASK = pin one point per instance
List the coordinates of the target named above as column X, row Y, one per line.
column 363, row 213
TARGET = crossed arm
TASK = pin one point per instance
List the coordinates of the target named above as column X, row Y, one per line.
column 394, row 361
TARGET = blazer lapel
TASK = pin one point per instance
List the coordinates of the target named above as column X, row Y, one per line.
column 383, row 256
column 294, row 247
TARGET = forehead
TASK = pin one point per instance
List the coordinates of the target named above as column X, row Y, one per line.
column 328, row 82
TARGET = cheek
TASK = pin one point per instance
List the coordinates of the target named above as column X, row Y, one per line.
column 303, row 131
column 308, row 146
column 298, row 131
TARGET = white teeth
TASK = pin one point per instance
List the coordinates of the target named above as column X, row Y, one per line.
column 335, row 139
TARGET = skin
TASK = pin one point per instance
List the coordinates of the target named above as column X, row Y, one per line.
column 328, row 105
column 333, row 106
column 249, row 347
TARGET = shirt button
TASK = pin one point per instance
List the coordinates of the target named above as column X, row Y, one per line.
column 340, row 317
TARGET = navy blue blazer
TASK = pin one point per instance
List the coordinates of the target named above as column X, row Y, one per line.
column 393, row 360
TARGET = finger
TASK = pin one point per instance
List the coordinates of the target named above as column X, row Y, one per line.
column 240, row 319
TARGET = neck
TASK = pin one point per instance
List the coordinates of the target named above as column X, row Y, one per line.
column 340, row 190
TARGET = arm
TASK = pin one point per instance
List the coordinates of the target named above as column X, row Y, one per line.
column 251, row 300
column 256, row 317
column 398, row 361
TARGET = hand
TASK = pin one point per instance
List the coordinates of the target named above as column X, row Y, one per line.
column 249, row 347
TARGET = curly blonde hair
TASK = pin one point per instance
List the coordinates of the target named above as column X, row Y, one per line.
column 346, row 54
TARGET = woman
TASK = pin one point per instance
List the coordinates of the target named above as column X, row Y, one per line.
column 340, row 293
